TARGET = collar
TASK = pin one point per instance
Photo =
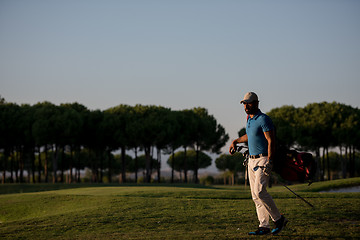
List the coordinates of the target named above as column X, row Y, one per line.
column 256, row 115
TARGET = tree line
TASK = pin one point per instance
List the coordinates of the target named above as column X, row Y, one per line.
column 45, row 140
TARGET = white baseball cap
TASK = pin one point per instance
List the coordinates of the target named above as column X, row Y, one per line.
column 249, row 98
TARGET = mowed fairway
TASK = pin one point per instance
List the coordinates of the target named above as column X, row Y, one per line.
column 172, row 212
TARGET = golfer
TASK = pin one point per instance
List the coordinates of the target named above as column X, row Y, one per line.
column 260, row 137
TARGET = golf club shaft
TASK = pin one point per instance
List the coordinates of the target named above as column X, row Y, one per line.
column 299, row 196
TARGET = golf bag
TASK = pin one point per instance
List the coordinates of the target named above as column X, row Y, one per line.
column 294, row 166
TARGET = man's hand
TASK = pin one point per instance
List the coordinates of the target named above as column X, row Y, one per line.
column 267, row 169
column 232, row 147
column 242, row 139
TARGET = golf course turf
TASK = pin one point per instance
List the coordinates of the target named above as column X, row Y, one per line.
column 64, row 211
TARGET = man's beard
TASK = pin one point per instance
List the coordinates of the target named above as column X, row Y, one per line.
column 252, row 110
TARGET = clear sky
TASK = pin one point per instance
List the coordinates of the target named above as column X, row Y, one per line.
column 181, row 54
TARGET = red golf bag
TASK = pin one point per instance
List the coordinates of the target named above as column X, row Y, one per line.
column 295, row 166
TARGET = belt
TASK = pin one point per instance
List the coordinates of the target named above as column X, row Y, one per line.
column 258, row 156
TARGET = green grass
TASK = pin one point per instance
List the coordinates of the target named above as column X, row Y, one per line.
column 171, row 212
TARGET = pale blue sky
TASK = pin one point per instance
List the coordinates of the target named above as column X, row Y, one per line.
column 181, row 54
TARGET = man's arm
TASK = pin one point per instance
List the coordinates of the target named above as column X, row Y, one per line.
column 242, row 139
column 270, row 137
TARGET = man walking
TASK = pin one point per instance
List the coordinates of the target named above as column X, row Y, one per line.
column 260, row 136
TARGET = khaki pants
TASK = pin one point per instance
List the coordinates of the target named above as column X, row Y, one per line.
column 264, row 203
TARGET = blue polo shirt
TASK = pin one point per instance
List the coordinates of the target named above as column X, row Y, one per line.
column 255, row 129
